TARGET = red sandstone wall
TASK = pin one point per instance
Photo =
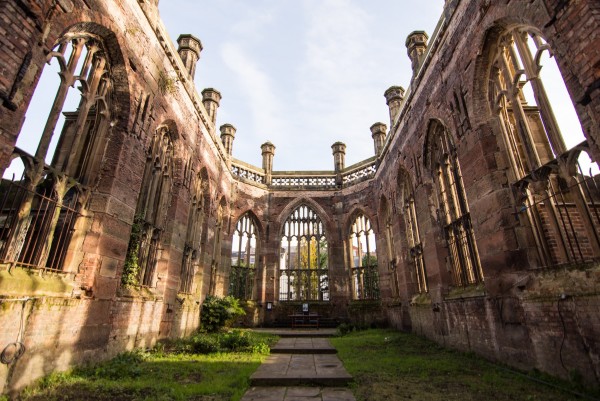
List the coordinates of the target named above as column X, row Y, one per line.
column 516, row 317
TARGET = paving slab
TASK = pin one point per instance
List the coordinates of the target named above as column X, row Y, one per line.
column 298, row 332
column 298, row 394
column 301, row 369
column 303, row 345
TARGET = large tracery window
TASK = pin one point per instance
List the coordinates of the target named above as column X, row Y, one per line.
column 151, row 214
column 552, row 173
column 363, row 259
column 453, row 207
column 191, row 252
column 243, row 258
column 413, row 236
column 303, row 264
column 43, row 189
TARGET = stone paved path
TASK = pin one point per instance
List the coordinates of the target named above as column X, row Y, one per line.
column 300, row 368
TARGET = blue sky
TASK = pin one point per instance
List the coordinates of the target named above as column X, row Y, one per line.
column 301, row 73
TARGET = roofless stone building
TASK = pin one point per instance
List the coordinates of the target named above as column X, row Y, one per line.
column 475, row 223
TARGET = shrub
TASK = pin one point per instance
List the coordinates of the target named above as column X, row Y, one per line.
column 123, row 365
column 219, row 312
column 344, row 329
column 235, row 341
column 204, row 344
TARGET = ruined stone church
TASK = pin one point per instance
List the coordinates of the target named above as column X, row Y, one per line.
column 475, row 222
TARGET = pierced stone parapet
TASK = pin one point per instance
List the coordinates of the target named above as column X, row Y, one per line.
column 358, row 173
column 299, row 181
column 244, row 173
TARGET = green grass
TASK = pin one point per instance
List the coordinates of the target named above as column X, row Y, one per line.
column 389, row 365
column 170, row 372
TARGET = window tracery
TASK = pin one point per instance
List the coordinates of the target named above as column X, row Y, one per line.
column 413, row 235
column 41, row 207
column 552, row 174
column 363, row 259
column 453, row 209
column 152, row 207
column 244, row 258
column 303, row 259
column 191, row 252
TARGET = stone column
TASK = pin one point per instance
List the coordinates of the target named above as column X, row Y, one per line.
column 189, row 51
column 339, row 160
column 211, row 99
column 378, row 131
column 416, row 46
column 227, row 136
column 268, row 151
column 394, row 96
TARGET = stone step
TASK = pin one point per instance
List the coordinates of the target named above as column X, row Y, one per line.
column 303, row 345
column 298, row 393
column 318, row 333
column 301, row 370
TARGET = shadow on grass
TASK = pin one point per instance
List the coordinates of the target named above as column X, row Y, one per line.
column 389, row 365
column 215, row 377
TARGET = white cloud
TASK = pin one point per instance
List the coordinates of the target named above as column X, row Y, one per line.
column 336, row 74
column 257, row 88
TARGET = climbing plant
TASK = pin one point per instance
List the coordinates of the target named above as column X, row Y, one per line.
column 131, row 268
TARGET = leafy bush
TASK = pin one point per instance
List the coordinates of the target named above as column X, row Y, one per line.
column 261, row 348
column 235, row 341
column 204, row 344
column 344, row 329
column 123, row 365
column 219, row 312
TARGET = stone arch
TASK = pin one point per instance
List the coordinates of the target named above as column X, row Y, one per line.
column 102, row 27
column 363, row 256
column 304, row 253
column 436, row 129
column 254, row 218
column 355, row 211
column 453, row 207
column 537, row 152
column 246, row 249
column 318, row 209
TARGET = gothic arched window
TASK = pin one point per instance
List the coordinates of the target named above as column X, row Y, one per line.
column 413, row 236
column 363, row 259
column 151, row 213
column 551, row 169
column 244, row 251
column 303, row 258
column 453, row 208
column 191, row 251
column 59, row 148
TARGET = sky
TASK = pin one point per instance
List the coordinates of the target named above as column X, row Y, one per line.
column 302, row 74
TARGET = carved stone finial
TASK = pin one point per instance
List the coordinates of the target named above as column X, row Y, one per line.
column 268, row 151
column 211, row 99
column 416, row 46
column 394, row 96
column 339, row 155
column 227, row 136
column 189, row 51
column 378, row 132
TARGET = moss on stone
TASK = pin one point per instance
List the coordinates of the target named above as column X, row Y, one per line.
column 22, row 282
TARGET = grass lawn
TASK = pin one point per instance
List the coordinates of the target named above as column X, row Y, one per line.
column 392, row 366
column 174, row 372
